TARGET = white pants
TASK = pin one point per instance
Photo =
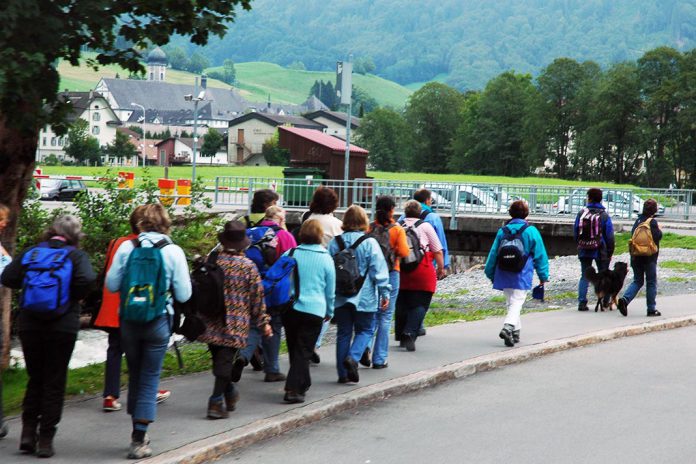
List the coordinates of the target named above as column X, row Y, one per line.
column 515, row 299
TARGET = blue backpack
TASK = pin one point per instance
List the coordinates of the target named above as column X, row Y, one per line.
column 278, row 283
column 511, row 254
column 144, row 285
column 47, row 276
column 263, row 246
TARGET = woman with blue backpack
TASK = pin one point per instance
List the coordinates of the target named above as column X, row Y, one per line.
column 54, row 276
column 149, row 272
column 5, row 259
column 362, row 289
column 312, row 304
column 517, row 251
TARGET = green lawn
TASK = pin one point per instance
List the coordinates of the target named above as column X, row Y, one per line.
column 669, row 240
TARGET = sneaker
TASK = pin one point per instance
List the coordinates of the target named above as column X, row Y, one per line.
column 583, row 306
column 111, row 404
column 623, row 306
column 506, row 335
column 654, row 313
column 516, row 336
column 421, row 332
column 352, row 369
column 274, row 377
column 380, row 366
column 217, row 409
column 315, row 358
column 365, row 358
column 163, row 395
column 257, row 360
column 292, row 397
column 140, row 449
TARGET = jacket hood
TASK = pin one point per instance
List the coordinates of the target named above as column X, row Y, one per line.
column 595, row 205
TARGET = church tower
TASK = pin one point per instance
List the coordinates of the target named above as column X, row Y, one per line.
column 156, row 65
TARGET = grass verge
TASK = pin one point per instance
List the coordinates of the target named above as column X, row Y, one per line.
column 678, row 265
column 669, row 240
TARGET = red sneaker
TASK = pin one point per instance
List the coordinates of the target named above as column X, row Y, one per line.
column 111, row 404
column 163, row 395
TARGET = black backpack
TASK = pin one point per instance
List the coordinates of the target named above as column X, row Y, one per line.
column 415, row 250
column 511, row 255
column 348, row 278
column 382, row 235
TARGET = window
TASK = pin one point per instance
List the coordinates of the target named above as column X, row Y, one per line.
column 44, row 142
column 95, row 130
column 96, row 117
column 152, row 76
column 53, row 141
column 161, row 76
column 61, row 141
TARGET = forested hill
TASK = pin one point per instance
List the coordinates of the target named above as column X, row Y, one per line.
column 462, row 42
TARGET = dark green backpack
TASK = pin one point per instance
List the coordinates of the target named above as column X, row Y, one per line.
column 144, row 285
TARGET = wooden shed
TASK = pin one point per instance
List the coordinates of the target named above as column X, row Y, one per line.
column 314, row 149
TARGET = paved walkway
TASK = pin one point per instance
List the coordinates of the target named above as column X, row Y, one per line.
column 87, row 435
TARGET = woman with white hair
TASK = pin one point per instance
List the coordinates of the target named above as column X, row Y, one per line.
column 48, row 322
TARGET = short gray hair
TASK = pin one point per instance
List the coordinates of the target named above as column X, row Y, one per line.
column 67, row 226
column 412, row 209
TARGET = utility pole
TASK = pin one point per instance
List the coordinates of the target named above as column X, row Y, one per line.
column 142, row 127
column 195, row 128
column 344, row 87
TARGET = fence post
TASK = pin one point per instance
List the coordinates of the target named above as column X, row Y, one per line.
column 630, row 205
column 217, row 187
column 374, row 197
column 454, row 203
column 250, row 195
column 689, row 199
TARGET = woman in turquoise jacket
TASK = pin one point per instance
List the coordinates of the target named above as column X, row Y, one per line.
column 314, row 305
column 515, row 285
column 355, row 314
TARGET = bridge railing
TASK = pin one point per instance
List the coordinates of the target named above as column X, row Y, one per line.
column 461, row 199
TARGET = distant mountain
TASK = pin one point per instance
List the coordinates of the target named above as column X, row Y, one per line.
column 461, row 42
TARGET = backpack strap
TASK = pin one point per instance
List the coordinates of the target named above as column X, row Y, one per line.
column 424, row 214
column 418, row 223
column 295, row 275
column 162, row 243
column 212, row 257
column 341, row 242
column 357, row 243
column 521, row 230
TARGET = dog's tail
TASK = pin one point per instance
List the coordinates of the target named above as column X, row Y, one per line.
column 591, row 275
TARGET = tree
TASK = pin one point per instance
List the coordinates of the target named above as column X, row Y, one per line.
column 387, row 136
column 433, row 115
column 297, row 65
column 178, row 59
column 37, row 33
column 198, row 63
column 273, row 153
column 211, row 144
column 229, row 73
column 137, row 129
column 121, row 147
column 364, row 65
column 362, row 100
column 80, row 145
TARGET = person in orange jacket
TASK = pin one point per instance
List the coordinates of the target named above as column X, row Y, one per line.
column 107, row 319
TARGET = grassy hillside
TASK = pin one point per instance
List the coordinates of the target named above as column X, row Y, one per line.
column 256, row 81
column 292, row 86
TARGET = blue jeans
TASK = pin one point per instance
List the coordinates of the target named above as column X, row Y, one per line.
column 349, row 320
column 383, row 320
column 112, row 367
column 585, row 264
column 145, row 346
column 644, row 269
column 270, row 345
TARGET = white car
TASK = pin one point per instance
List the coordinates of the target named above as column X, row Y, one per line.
column 615, row 202
column 470, row 198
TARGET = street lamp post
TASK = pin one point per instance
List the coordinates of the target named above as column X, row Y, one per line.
column 143, row 134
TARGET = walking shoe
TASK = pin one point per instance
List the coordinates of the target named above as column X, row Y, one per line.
column 583, row 306
column 352, row 368
column 623, row 306
column 654, row 313
column 45, row 447
column 365, row 358
column 274, row 377
column 421, row 332
column 140, row 449
column 27, row 441
column 111, row 404
column 217, row 409
column 293, row 397
column 163, row 395
column 506, row 335
column 409, row 342
column 315, row 358
column 231, row 399
column 257, row 360
column 4, row 430
column 516, row 336
column 343, row 380
column 380, row 366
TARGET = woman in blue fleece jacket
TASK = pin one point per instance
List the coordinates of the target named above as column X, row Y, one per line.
column 515, row 285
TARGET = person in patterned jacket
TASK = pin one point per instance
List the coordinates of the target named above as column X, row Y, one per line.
column 245, row 308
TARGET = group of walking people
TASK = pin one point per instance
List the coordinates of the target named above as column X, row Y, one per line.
column 358, row 274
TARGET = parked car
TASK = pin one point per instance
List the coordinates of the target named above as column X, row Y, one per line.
column 617, row 203
column 61, row 190
column 471, row 198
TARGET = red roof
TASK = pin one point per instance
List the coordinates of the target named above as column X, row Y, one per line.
column 321, row 138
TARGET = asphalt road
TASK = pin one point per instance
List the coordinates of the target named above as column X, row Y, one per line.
column 627, row 401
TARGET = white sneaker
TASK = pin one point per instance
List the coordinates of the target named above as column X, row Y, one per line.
column 163, row 395
column 140, row 450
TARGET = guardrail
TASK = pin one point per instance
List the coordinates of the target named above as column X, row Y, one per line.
column 459, row 199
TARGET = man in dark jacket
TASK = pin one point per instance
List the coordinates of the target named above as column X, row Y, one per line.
column 644, row 266
column 594, row 234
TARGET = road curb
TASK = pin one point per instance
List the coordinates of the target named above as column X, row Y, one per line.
column 211, row 448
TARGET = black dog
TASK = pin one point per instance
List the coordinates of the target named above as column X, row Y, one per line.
column 607, row 284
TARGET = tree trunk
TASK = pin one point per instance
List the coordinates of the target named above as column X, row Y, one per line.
column 17, row 155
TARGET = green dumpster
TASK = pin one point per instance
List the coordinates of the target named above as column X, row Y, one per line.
column 300, row 184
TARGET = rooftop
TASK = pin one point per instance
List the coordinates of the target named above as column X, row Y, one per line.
column 323, row 139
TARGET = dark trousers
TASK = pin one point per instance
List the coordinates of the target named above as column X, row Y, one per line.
column 112, row 367
column 46, row 355
column 223, row 358
column 411, row 306
column 301, row 333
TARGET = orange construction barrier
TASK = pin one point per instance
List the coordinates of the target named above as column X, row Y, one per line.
column 166, row 188
column 130, row 180
column 183, row 187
